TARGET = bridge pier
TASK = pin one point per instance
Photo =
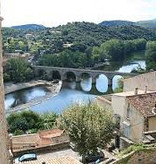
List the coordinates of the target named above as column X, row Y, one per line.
column 93, row 80
column 94, row 89
column 49, row 75
column 78, row 74
column 110, row 82
column 78, row 86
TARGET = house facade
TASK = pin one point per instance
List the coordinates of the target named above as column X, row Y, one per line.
column 141, row 82
column 41, row 139
column 137, row 121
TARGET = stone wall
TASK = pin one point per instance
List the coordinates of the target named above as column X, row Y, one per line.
column 45, row 149
column 145, row 156
column 4, row 139
column 140, row 82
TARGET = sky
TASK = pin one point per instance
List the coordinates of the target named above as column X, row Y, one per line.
column 57, row 12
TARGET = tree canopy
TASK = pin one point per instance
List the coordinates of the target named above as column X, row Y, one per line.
column 89, row 127
column 29, row 121
column 18, row 70
column 151, row 55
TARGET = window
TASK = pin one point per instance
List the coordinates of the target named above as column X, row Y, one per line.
column 128, row 111
column 126, row 129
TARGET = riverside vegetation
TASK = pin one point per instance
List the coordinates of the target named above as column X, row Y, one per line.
column 78, row 44
column 30, row 122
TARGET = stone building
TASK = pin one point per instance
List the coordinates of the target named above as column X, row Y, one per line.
column 4, row 144
column 41, row 140
column 136, row 113
column 146, row 80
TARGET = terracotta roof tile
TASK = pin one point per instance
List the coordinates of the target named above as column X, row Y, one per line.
column 144, row 103
column 51, row 133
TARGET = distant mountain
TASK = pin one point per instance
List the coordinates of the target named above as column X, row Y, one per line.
column 116, row 23
column 151, row 24
column 147, row 23
column 29, row 27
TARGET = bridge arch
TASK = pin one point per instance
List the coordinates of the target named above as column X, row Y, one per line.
column 117, row 81
column 101, row 79
column 86, row 81
column 70, row 76
column 56, row 75
column 42, row 74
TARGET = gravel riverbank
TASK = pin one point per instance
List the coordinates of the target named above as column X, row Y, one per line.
column 53, row 88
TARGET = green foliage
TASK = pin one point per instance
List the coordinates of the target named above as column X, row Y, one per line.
column 18, row 70
column 48, row 120
column 80, row 34
column 131, row 148
column 120, row 86
column 65, row 59
column 113, row 50
column 29, row 121
column 23, row 121
column 151, row 55
column 89, row 127
column 89, row 43
column 6, row 77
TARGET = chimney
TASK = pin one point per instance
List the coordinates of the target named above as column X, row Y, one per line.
column 136, row 91
column 146, row 89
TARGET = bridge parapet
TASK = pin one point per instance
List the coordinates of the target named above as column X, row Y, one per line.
column 48, row 71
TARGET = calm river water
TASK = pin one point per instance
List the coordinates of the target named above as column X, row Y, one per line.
column 68, row 94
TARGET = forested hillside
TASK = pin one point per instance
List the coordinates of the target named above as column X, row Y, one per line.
column 78, row 35
column 149, row 24
column 77, row 44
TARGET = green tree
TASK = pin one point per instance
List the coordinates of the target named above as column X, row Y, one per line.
column 96, row 54
column 29, row 121
column 113, row 50
column 89, row 127
column 151, row 55
column 48, row 120
column 18, row 70
column 23, row 121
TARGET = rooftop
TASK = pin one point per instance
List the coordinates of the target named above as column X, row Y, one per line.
column 51, row 133
column 144, row 103
column 131, row 93
column 36, row 140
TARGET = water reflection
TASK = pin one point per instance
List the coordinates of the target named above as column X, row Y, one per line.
column 132, row 65
column 86, row 84
column 68, row 94
column 116, row 81
column 63, row 100
column 102, row 83
column 24, row 96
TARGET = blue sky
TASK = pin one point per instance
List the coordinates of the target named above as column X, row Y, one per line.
column 57, row 12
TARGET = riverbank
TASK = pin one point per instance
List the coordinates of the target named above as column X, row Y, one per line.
column 53, row 88
column 11, row 87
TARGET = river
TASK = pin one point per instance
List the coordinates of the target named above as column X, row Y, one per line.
column 68, row 95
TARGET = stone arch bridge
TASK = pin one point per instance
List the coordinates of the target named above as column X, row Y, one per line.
column 48, row 72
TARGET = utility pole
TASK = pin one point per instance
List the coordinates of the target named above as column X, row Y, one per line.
column 4, row 138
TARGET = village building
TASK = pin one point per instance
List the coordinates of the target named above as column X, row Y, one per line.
column 39, row 141
column 136, row 114
column 146, row 80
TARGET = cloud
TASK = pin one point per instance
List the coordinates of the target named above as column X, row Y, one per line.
column 55, row 12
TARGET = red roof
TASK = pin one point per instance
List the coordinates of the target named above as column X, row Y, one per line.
column 51, row 133
column 144, row 103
